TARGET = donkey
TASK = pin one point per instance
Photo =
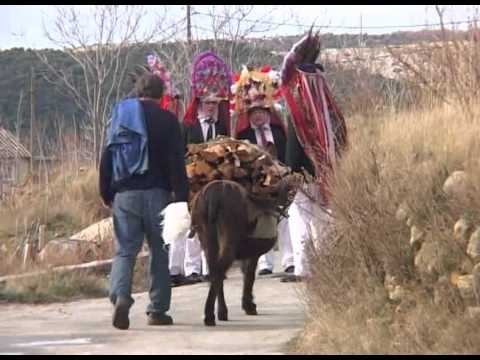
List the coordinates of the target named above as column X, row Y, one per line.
column 222, row 216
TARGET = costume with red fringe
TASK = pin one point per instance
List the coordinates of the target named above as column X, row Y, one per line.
column 319, row 125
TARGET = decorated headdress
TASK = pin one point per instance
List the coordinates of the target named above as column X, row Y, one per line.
column 211, row 79
column 255, row 88
column 169, row 100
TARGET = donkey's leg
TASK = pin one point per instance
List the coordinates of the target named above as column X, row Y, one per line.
column 248, row 268
column 209, row 319
column 222, row 311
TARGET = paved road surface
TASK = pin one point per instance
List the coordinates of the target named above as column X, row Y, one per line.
column 84, row 327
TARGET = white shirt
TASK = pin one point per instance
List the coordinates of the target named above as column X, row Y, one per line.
column 267, row 131
column 205, row 125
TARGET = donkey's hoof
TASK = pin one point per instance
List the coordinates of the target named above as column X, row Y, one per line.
column 209, row 322
column 222, row 316
column 250, row 309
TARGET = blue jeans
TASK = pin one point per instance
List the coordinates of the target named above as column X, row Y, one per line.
column 136, row 214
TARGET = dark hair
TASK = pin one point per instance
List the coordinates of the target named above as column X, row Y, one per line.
column 149, row 85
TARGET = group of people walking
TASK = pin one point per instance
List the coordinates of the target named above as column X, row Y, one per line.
column 142, row 170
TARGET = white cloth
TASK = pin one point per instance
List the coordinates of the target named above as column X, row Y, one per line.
column 187, row 257
column 195, row 260
column 176, row 256
column 285, row 247
column 308, row 222
column 300, row 214
column 176, row 222
column 205, row 125
column 267, row 131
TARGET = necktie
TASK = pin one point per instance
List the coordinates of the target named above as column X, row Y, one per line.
column 210, row 130
column 262, row 136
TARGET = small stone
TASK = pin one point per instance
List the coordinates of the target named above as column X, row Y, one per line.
column 390, row 282
column 473, row 247
column 416, row 236
column 410, row 221
column 474, row 312
column 397, row 294
column 427, row 262
column 465, row 286
column 461, row 232
column 457, row 184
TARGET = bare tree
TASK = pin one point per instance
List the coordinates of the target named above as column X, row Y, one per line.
column 232, row 31
column 238, row 29
column 448, row 68
column 101, row 56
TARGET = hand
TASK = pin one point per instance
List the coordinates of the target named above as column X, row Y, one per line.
column 107, row 205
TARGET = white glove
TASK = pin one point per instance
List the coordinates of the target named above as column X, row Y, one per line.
column 176, row 222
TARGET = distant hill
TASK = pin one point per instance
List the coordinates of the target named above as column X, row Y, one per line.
column 53, row 104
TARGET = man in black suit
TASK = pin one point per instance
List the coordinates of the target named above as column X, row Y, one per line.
column 205, row 123
column 207, row 127
column 265, row 128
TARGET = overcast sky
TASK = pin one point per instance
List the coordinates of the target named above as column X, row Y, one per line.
column 22, row 25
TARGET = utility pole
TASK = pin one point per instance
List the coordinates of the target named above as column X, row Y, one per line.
column 32, row 114
column 189, row 25
column 360, row 41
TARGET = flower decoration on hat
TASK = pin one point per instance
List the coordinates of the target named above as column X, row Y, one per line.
column 159, row 69
column 211, row 77
column 255, row 88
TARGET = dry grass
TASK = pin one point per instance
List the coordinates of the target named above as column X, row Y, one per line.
column 67, row 204
column 403, row 158
column 54, row 287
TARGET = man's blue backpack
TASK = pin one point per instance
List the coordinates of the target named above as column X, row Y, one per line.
column 127, row 140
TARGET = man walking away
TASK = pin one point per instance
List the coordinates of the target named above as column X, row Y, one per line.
column 142, row 164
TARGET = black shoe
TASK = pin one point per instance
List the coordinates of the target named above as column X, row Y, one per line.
column 120, row 313
column 194, row 278
column 179, row 280
column 265, row 272
column 290, row 269
column 291, row 278
column 159, row 319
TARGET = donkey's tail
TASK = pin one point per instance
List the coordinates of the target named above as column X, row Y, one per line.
column 211, row 210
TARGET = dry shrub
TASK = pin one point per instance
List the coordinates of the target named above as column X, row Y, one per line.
column 397, row 159
column 66, row 204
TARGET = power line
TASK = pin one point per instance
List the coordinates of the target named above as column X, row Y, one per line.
column 335, row 26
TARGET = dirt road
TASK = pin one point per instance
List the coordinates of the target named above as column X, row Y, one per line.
column 84, row 327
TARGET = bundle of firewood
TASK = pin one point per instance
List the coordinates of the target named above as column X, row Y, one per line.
column 265, row 178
